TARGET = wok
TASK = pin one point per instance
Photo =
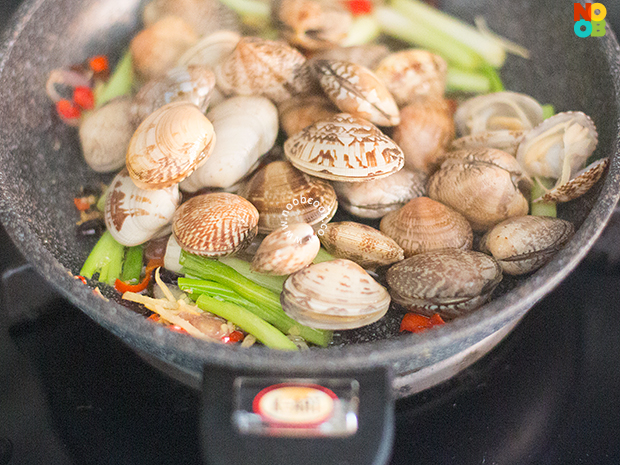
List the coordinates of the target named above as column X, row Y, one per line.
column 41, row 170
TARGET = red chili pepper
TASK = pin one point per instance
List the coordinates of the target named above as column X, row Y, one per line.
column 359, row 7
column 81, row 203
column 177, row 329
column 98, row 63
column 81, row 278
column 232, row 338
column 436, row 320
column 84, row 97
column 67, row 109
column 418, row 323
column 123, row 287
column 154, row 317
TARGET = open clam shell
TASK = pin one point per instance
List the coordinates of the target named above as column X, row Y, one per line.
column 284, row 196
column 215, row 224
column 583, row 181
column 423, row 225
column 356, row 90
column 133, row 215
column 498, row 111
column 169, row 145
column 344, row 148
column 336, row 295
column 360, row 243
column 450, row 282
column 505, row 140
column 525, row 243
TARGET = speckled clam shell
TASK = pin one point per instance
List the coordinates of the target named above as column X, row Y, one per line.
column 133, row 215
column 368, row 55
column 335, row 295
column 169, row 145
column 498, row 111
column 360, row 243
column 411, row 74
column 376, row 198
column 423, row 225
column 490, row 156
column 577, row 186
column 450, row 282
column 525, row 243
column 287, row 250
column 215, row 224
column 356, row 90
column 505, row 140
column 344, row 148
column 211, row 49
column 284, row 195
column 300, row 112
column 193, row 84
column 264, row 67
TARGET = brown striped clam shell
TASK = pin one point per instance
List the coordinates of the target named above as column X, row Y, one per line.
column 169, row 145
column 450, row 282
column 360, row 243
column 286, row 250
column 344, row 148
column 284, row 196
column 578, row 185
column 525, row 243
column 356, row 90
column 215, row 224
column 423, row 225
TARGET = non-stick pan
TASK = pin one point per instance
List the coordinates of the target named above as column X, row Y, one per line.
column 41, row 170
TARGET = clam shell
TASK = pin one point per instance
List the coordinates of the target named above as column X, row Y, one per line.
column 133, row 215
column 215, row 224
column 285, row 196
column 450, row 282
column 344, row 148
column 423, row 225
column 411, row 74
column 498, row 111
column 505, row 140
column 376, row 198
column 368, row 55
column 287, row 250
column 424, row 133
column 169, row 145
column 356, row 90
column 246, row 128
column 211, row 49
column 525, row 243
column 300, row 112
column 577, row 186
column 362, row 244
column 263, row 67
column 336, row 295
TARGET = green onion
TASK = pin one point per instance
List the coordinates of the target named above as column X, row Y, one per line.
column 459, row 80
column 364, row 29
column 273, row 283
column 542, row 208
column 120, row 82
column 132, row 268
column 496, row 82
column 323, row 256
column 247, row 321
column 250, row 10
column 101, row 201
column 548, row 111
column 105, row 258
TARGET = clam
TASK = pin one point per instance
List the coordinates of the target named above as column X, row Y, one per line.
column 287, row 250
column 299, row 112
column 263, row 67
column 425, row 131
column 105, row 134
column 498, row 111
column 157, row 48
column 450, row 282
column 411, row 74
column 505, row 140
column 202, row 15
column 285, row 196
column 133, row 215
column 525, row 243
column 312, row 24
column 575, row 187
column 336, row 295
column 344, row 148
column 215, row 224
column 376, row 198
column 246, row 128
column 169, row 145
column 368, row 55
column 356, row 90
column 192, row 84
column 482, row 185
column 423, row 225
column 211, row 49
column 360, row 243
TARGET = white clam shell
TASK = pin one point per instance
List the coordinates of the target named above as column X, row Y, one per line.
column 211, row 50
column 505, row 140
column 246, row 128
column 337, row 294
column 133, row 215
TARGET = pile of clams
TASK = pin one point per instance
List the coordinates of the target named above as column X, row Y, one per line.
column 431, row 204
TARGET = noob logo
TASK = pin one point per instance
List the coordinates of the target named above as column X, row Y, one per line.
column 590, row 20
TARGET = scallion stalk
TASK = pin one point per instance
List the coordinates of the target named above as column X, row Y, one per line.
column 252, row 10
column 105, row 258
column 273, row 283
column 132, row 268
column 323, row 256
column 548, row 111
column 542, row 208
column 120, row 82
column 364, row 29
column 459, row 80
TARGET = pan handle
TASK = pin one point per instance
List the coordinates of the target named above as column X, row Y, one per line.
column 297, row 417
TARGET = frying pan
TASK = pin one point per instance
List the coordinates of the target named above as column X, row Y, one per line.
column 41, row 170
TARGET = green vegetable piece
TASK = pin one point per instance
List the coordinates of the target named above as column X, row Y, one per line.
column 548, row 111
column 364, row 30
column 133, row 265
column 120, row 82
column 273, row 283
column 459, row 80
column 542, row 208
column 105, row 258
column 496, row 82
column 323, row 256
column 251, row 11
column 247, row 321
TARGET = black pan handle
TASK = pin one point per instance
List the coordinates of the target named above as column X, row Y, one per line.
column 307, row 417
